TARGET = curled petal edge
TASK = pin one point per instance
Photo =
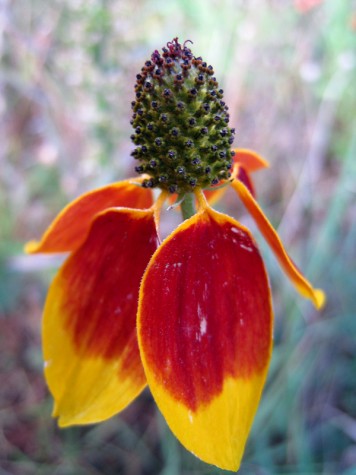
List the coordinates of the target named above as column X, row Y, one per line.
column 250, row 160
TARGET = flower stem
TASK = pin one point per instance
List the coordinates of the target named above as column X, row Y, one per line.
column 188, row 206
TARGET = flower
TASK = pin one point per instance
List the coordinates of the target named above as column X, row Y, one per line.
column 190, row 316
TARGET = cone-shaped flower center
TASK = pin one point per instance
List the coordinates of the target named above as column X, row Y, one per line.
column 181, row 122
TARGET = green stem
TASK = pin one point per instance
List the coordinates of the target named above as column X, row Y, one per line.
column 188, row 206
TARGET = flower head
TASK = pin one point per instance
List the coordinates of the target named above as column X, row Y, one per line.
column 181, row 122
column 190, row 316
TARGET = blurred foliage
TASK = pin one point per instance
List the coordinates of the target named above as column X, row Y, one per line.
column 288, row 71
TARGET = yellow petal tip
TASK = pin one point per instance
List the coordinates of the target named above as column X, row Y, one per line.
column 55, row 411
column 319, row 299
column 31, row 247
column 63, row 423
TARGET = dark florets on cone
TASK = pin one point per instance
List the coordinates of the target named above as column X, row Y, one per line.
column 180, row 122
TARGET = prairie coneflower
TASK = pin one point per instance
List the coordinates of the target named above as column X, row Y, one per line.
column 191, row 316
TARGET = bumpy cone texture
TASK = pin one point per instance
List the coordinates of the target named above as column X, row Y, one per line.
column 181, row 122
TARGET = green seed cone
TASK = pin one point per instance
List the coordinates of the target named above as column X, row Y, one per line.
column 181, row 128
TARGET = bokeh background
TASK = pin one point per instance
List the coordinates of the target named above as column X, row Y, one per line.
column 288, row 71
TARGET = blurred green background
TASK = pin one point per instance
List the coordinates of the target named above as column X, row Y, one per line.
column 288, row 71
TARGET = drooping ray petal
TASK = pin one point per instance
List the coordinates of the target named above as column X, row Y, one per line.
column 250, row 160
column 300, row 282
column 92, row 362
column 70, row 227
column 204, row 329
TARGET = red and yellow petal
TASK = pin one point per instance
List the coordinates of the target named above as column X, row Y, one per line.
column 92, row 361
column 205, row 334
column 303, row 286
column 69, row 229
